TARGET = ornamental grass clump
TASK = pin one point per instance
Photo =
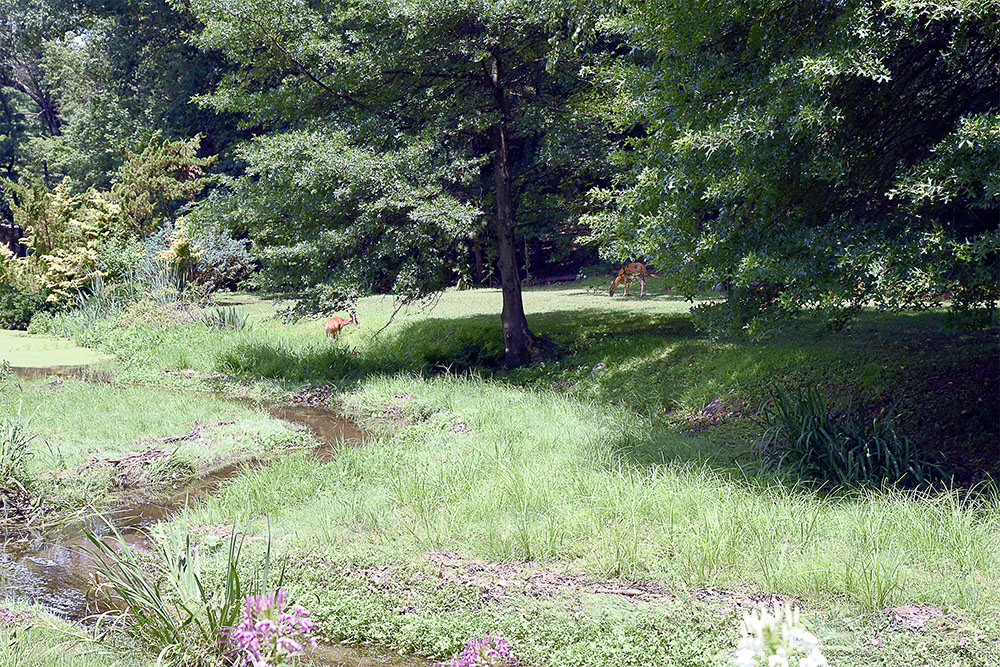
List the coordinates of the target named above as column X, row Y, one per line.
column 270, row 632
column 778, row 639
column 486, row 651
column 803, row 437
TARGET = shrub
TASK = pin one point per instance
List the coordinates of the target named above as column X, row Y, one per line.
column 802, row 436
column 202, row 258
column 17, row 307
column 226, row 317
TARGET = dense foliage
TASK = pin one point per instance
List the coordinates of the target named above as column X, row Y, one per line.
column 401, row 131
column 796, row 156
column 813, row 154
column 66, row 234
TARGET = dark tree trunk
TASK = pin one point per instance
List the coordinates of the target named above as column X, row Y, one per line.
column 519, row 343
column 477, row 251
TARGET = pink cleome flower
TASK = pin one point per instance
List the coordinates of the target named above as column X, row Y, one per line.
column 270, row 632
column 486, row 651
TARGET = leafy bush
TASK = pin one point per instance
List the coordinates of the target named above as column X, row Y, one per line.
column 17, row 307
column 753, row 311
column 226, row 317
column 202, row 258
column 802, row 436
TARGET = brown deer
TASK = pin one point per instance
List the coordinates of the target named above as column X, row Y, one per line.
column 335, row 324
column 635, row 270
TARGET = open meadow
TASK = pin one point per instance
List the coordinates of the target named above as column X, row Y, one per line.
column 607, row 506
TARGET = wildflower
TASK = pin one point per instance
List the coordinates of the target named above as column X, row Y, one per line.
column 778, row 639
column 486, row 651
column 814, row 659
column 270, row 633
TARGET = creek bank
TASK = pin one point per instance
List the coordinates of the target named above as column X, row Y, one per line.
column 53, row 568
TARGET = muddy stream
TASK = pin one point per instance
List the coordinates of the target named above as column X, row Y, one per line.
column 49, row 566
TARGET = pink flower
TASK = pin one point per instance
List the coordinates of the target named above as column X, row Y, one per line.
column 486, row 651
column 270, row 633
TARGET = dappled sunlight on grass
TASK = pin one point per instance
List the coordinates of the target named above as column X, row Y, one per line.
column 641, row 353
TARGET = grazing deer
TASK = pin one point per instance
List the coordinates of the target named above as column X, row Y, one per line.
column 635, row 270
column 335, row 324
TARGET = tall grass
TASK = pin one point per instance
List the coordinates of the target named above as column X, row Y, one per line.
column 541, row 477
column 225, row 318
column 15, row 452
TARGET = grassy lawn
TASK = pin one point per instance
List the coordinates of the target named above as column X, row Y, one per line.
column 943, row 386
column 91, row 439
column 604, row 507
column 486, row 507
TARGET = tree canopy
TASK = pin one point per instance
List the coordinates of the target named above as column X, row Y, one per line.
column 800, row 156
column 397, row 129
column 812, row 154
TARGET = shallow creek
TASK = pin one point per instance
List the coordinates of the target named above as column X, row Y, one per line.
column 51, row 568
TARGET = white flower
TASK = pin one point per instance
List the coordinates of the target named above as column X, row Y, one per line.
column 802, row 639
column 777, row 660
column 814, row 659
column 744, row 658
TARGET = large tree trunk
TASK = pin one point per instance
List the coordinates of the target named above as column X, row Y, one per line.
column 519, row 343
column 477, row 251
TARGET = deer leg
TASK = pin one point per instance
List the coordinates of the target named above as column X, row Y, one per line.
column 627, row 281
column 642, row 282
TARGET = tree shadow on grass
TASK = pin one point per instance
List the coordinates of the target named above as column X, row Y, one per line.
column 435, row 345
column 943, row 384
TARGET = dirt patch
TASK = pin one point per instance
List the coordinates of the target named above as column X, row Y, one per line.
column 192, row 374
column 197, row 431
column 16, row 505
column 130, row 469
column 913, row 617
column 403, row 411
column 715, row 413
column 496, row 581
column 318, row 396
column 8, row 617
column 222, row 531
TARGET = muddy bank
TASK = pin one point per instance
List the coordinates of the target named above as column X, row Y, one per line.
column 50, row 567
